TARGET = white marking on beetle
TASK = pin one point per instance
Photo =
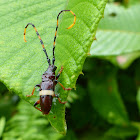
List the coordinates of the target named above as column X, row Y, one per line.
column 46, row 92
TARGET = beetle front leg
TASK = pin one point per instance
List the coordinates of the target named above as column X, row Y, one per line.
column 33, row 90
column 59, row 99
column 59, row 72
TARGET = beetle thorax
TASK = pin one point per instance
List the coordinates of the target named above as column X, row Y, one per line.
column 48, row 76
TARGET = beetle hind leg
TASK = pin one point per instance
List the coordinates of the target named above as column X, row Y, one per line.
column 36, row 103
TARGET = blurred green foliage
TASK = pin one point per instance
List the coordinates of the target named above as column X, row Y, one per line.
column 104, row 106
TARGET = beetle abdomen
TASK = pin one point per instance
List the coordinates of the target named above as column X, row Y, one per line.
column 46, row 103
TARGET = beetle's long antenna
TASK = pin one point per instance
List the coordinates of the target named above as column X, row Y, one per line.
column 39, row 38
column 57, row 28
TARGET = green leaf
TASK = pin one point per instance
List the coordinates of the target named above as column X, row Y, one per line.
column 30, row 121
column 105, row 96
column 137, row 125
column 118, row 35
column 122, row 131
column 138, row 98
column 95, row 134
column 71, row 98
column 132, row 2
column 22, row 64
column 138, row 138
column 2, row 125
column 70, row 136
column 137, row 80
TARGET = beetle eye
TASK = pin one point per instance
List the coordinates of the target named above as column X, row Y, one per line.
column 54, row 68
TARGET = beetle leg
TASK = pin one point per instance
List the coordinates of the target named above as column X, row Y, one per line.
column 33, row 90
column 38, row 85
column 59, row 82
column 31, row 93
column 38, row 109
column 59, row 72
column 36, row 103
column 60, row 100
column 64, row 87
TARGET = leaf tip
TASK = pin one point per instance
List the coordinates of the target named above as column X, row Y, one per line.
column 81, row 73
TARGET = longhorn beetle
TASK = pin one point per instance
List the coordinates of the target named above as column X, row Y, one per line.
column 49, row 80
